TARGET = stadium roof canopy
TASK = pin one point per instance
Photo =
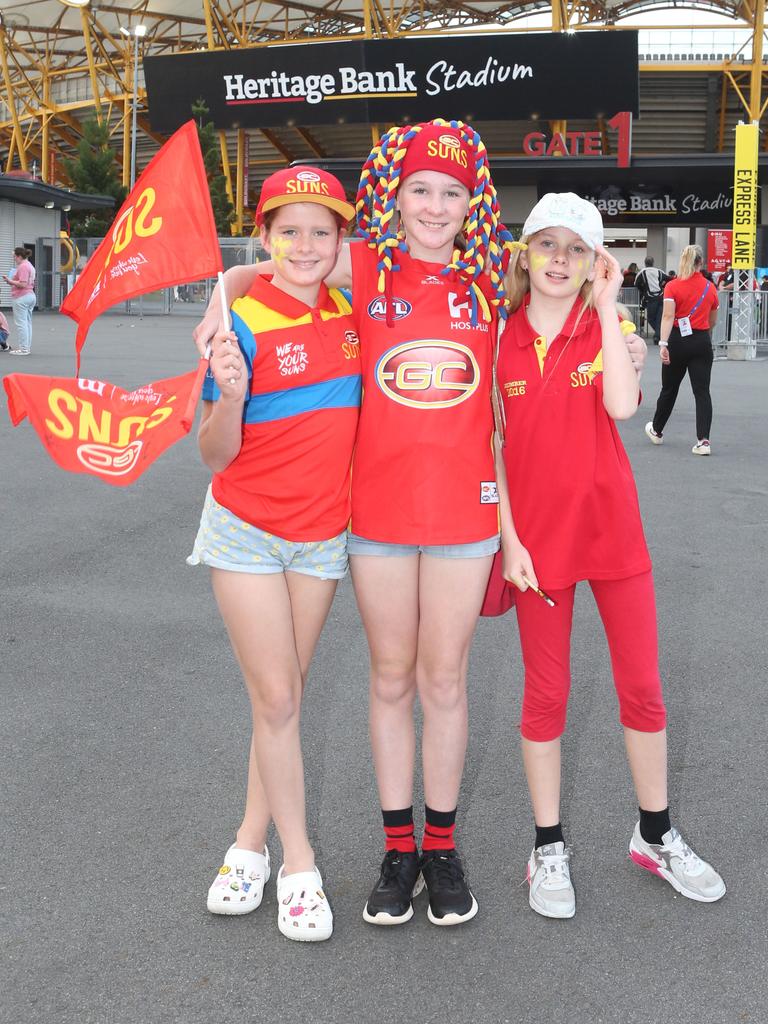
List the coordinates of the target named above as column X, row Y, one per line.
column 63, row 61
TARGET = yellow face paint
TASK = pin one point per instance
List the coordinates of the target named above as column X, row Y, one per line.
column 280, row 247
column 538, row 260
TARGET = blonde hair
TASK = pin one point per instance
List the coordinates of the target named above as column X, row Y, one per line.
column 518, row 284
column 691, row 260
column 484, row 242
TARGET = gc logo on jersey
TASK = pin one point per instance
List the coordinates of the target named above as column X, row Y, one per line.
column 428, row 374
column 377, row 308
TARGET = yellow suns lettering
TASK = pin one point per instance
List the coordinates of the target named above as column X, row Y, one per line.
column 443, row 152
column 295, row 186
column 71, row 415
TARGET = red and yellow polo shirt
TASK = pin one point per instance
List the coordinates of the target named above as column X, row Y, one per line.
column 292, row 475
column 571, row 488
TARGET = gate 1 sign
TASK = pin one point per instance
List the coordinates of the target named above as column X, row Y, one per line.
column 549, row 75
column 582, row 143
column 719, row 251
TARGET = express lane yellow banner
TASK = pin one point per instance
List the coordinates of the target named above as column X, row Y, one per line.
column 745, row 197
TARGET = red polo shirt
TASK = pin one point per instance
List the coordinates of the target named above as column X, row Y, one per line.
column 685, row 293
column 571, row 488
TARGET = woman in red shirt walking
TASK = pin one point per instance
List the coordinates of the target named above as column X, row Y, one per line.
column 690, row 313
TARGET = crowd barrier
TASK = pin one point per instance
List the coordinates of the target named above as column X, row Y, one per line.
column 57, row 268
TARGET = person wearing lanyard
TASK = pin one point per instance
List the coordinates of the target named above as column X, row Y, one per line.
column 690, row 313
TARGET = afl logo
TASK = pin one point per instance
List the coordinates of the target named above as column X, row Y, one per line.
column 428, row 374
column 308, row 176
column 377, row 308
column 584, row 367
column 450, row 140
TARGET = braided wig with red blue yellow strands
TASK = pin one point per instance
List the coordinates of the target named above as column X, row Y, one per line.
column 487, row 243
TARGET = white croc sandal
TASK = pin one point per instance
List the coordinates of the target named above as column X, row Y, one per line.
column 239, row 886
column 303, row 914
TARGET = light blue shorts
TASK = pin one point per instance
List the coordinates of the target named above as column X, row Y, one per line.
column 476, row 549
column 226, row 542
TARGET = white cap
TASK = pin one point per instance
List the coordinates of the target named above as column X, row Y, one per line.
column 566, row 210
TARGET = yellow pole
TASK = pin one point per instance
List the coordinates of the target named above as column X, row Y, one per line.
column 18, row 136
column 127, row 127
column 225, row 167
column 45, row 171
column 91, row 62
column 240, row 205
column 756, row 75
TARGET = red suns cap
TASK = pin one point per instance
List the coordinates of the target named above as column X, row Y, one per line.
column 436, row 148
column 303, row 185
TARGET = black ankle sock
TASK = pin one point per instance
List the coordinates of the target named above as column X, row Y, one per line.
column 654, row 824
column 550, row 834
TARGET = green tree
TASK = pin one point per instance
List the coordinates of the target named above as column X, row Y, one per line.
column 94, row 172
column 223, row 211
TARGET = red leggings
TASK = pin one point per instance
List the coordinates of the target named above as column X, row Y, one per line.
column 628, row 610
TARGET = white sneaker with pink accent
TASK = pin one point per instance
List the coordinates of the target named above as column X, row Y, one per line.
column 674, row 861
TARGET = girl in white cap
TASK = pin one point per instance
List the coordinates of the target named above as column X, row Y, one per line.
column 564, row 377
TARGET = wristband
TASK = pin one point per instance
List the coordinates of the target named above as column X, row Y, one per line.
column 663, row 344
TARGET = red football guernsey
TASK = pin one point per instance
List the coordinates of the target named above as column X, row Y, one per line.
column 291, row 476
column 571, row 488
column 423, row 471
column 686, row 293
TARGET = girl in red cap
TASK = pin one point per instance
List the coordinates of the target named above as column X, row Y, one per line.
column 565, row 377
column 278, row 426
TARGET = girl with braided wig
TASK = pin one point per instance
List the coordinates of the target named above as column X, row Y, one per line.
column 427, row 282
column 427, row 286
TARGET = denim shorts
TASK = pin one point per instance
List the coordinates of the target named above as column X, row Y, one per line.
column 226, row 542
column 476, row 549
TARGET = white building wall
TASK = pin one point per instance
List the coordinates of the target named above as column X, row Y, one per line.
column 7, row 245
column 19, row 225
column 33, row 222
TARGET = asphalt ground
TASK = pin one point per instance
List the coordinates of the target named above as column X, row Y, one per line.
column 124, row 733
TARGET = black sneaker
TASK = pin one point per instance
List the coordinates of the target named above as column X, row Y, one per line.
column 390, row 901
column 450, row 898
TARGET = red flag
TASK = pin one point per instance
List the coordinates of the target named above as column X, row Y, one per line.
column 164, row 234
column 91, row 426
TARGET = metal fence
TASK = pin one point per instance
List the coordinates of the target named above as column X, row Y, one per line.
column 60, row 260
column 630, row 299
column 726, row 327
